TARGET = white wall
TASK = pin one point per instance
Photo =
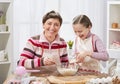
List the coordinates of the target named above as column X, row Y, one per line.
column 28, row 15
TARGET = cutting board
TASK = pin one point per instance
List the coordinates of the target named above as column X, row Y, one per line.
column 70, row 79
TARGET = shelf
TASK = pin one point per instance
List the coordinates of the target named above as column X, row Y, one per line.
column 114, row 53
column 4, row 39
column 4, row 4
column 4, row 33
column 5, row 1
column 117, row 29
column 114, row 49
column 4, row 62
column 114, row 2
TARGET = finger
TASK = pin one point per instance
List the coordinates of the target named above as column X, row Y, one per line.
column 49, row 62
column 52, row 61
column 77, row 57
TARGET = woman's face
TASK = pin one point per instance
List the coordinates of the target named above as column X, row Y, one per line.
column 81, row 31
column 51, row 27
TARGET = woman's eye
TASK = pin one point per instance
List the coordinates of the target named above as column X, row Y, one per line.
column 49, row 23
column 56, row 25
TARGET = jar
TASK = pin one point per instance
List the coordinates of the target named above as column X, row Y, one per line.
column 114, row 25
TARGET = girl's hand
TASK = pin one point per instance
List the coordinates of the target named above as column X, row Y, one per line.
column 48, row 61
column 81, row 56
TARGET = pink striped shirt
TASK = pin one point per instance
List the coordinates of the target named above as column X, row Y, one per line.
column 36, row 46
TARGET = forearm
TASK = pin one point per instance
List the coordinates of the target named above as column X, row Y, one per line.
column 30, row 63
column 100, row 51
column 64, row 58
column 100, row 56
column 64, row 55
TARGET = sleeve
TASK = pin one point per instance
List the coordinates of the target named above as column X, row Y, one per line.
column 100, row 51
column 27, row 57
column 64, row 54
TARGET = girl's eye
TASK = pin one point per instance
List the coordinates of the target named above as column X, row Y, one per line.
column 78, row 31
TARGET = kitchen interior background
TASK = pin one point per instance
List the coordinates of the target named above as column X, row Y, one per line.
column 27, row 16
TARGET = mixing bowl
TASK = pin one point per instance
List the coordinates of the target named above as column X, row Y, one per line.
column 67, row 69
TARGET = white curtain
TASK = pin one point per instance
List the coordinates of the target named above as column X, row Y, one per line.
column 96, row 11
column 27, row 22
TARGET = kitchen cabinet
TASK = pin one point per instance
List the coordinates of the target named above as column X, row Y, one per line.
column 5, row 38
column 113, row 29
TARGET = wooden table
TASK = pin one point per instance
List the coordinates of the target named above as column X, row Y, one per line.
column 53, row 73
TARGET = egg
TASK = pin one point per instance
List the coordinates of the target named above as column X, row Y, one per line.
column 109, row 80
column 95, row 81
column 91, row 81
column 103, row 80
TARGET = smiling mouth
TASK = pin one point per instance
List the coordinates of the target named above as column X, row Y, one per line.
column 51, row 31
column 81, row 36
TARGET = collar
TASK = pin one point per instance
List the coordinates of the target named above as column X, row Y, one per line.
column 43, row 39
column 89, row 34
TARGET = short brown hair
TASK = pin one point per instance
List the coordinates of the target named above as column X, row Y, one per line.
column 52, row 14
column 82, row 19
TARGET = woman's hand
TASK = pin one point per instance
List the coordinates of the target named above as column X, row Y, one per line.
column 48, row 61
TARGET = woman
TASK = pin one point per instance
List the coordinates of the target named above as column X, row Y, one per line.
column 88, row 46
column 47, row 48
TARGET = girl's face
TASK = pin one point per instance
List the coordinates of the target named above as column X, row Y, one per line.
column 51, row 27
column 81, row 31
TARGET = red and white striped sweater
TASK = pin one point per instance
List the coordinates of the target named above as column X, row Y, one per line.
column 37, row 46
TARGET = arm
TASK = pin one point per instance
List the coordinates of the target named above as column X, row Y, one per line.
column 64, row 54
column 27, row 57
column 100, row 52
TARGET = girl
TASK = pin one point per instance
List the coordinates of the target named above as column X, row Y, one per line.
column 88, row 46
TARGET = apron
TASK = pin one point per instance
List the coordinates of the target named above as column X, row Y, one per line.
column 89, row 64
column 55, row 55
